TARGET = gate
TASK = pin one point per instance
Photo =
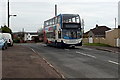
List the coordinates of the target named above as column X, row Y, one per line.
column 90, row 40
column 118, row 42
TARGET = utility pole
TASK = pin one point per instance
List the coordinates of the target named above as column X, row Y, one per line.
column 115, row 22
column 8, row 15
column 83, row 25
column 55, row 10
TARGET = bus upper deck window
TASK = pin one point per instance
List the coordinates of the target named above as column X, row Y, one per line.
column 73, row 20
column 70, row 20
column 77, row 19
column 58, row 19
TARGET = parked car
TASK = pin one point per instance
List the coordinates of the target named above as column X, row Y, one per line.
column 8, row 37
column 3, row 42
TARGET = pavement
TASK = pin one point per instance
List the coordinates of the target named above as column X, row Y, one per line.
column 22, row 62
column 109, row 49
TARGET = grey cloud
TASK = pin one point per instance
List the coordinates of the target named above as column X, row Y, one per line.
column 31, row 15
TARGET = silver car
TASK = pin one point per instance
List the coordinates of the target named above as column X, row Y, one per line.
column 3, row 42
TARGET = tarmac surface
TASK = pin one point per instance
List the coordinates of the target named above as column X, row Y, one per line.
column 109, row 49
column 38, row 61
column 22, row 62
column 81, row 62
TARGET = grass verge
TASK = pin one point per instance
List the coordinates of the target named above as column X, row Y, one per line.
column 96, row 44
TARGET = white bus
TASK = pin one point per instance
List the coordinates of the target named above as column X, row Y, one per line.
column 63, row 30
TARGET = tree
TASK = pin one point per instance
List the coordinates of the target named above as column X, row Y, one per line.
column 5, row 29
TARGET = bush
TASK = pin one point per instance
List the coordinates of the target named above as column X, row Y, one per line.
column 5, row 29
column 16, row 40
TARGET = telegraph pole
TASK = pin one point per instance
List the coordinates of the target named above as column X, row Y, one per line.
column 83, row 25
column 115, row 22
column 55, row 10
column 8, row 15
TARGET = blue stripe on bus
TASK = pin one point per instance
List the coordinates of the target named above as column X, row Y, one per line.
column 61, row 21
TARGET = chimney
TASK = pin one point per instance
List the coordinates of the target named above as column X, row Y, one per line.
column 97, row 26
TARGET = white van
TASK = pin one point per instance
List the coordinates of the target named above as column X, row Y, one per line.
column 3, row 42
column 8, row 37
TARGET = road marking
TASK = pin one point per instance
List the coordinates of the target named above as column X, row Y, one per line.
column 33, row 50
column 85, row 54
column 113, row 62
column 80, row 53
column 51, row 65
column 67, row 49
column 43, row 44
column 91, row 56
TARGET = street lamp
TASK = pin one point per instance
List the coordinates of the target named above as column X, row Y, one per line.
column 12, row 15
column 9, row 15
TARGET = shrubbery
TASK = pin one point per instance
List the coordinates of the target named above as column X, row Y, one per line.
column 5, row 29
column 17, row 40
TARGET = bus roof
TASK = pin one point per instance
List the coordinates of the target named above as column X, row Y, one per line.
column 65, row 15
column 69, row 16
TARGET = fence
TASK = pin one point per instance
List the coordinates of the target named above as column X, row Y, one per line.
column 118, row 42
column 111, row 42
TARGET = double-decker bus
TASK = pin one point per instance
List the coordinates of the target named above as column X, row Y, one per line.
column 63, row 30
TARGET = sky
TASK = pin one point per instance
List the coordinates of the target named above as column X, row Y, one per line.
column 119, row 13
column 31, row 14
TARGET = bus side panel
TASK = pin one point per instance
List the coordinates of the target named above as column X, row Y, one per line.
column 45, row 37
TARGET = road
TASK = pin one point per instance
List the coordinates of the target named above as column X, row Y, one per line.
column 80, row 62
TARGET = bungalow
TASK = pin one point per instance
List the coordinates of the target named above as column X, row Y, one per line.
column 95, row 35
column 98, row 31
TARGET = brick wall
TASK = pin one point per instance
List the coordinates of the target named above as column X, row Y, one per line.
column 110, row 39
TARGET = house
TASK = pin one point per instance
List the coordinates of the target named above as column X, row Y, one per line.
column 18, row 37
column 29, row 36
column 25, row 36
column 95, row 35
column 98, row 31
column 85, row 35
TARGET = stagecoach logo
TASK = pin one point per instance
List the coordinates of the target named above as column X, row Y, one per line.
column 50, row 29
column 47, row 29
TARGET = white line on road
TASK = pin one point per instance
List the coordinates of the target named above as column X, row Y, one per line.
column 113, row 62
column 81, row 53
column 50, row 65
column 43, row 44
column 67, row 49
column 91, row 56
column 85, row 54
column 33, row 50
